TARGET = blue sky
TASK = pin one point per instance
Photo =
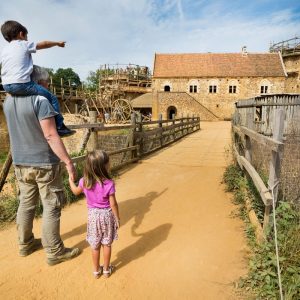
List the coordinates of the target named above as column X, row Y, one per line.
column 131, row 31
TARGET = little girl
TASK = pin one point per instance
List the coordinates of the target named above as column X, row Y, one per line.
column 103, row 213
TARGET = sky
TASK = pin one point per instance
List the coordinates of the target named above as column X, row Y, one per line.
column 101, row 32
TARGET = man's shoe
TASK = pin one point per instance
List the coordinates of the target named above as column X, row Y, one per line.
column 35, row 245
column 69, row 253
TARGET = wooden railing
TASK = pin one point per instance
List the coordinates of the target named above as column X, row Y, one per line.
column 143, row 138
column 245, row 135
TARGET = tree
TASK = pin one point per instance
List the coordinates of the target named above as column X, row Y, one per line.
column 93, row 79
column 66, row 75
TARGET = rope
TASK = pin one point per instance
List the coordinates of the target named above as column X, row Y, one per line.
column 276, row 241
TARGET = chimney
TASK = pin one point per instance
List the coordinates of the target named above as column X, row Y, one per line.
column 244, row 51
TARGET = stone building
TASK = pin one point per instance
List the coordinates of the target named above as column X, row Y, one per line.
column 290, row 51
column 208, row 84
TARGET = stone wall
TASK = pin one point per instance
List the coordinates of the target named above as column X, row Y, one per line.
column 221, row 103
column 184, row 104
column 113, row 141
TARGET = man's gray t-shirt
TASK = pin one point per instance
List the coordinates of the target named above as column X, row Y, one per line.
column 27, row 142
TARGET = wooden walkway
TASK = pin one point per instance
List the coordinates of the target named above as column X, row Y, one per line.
column 177, row 238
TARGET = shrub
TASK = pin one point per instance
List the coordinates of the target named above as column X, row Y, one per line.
column 262, row 277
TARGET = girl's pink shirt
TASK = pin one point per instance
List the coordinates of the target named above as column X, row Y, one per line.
column 98, row 195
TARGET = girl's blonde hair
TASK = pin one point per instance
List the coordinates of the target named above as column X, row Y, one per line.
column 95, row 168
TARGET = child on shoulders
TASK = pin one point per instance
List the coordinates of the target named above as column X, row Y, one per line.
column 17, row 67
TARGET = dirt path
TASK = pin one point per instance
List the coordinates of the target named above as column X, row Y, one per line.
column 177, row 239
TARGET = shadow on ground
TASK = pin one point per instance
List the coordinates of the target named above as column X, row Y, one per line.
column 147, row 242
column 135, row 208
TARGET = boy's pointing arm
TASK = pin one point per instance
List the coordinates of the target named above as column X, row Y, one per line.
column 49, row 44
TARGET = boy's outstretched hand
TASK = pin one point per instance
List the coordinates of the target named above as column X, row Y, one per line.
column 61, row 44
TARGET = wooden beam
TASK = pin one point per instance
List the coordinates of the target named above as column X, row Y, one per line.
column 258, row 182
column 269, row 142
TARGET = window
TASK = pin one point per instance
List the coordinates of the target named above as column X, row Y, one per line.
column 213, row 89
column 167, row 88
column 263, row 89
column 193, row 88
column 232, row 89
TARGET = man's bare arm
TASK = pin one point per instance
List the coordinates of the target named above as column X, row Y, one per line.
column 49, row 44
column 56, row 144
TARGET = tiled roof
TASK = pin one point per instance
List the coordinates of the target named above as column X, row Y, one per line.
column 217, row 65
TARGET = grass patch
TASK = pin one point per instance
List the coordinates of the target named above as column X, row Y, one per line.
column 262, row 278
column 3, row 156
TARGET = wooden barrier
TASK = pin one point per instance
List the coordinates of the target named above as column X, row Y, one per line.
column 142, row 137
column 275, row 144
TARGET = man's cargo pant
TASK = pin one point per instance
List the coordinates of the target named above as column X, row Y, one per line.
column 44, row 182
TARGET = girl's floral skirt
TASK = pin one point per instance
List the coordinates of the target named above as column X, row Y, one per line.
column 101, row 227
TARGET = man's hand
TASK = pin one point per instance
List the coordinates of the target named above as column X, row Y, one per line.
column 71, row 171
column 61, row 44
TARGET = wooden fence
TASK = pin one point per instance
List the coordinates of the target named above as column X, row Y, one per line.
column 142, row 138
column 263, row 120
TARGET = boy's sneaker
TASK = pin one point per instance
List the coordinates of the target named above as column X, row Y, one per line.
column 68, row 253
column 28, row 249
column 64, row 131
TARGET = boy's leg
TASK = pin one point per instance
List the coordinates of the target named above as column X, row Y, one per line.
column 32, row 88
column 59, row 119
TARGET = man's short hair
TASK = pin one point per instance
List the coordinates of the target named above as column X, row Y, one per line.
column 11, row 29
column 39, row 73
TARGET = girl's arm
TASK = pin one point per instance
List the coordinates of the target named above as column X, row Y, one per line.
column 115, row 208
column 76, row 190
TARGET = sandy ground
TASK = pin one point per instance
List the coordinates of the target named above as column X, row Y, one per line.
column 177, row 240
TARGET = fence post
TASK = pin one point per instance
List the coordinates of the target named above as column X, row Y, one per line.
column 85, row 140
column 249, row 124
column 160, row 126
column 274, row 175
column 140, row 130
column 132, row 141
column 5, row 170
column 94, row 136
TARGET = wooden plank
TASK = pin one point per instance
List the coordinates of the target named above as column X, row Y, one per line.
column 274, row 174
column 86, row 126
column 269, row 142
column 94, row 136
column 122, row 150
column 258, row 182
column 85, row 140
column 148, row 133
column 5, row 170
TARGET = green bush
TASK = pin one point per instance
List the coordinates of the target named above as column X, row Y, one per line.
column 262, row 277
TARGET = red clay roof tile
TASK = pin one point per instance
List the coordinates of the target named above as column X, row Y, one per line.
column 218, row 65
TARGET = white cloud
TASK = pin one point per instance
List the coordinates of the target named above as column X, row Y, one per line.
column 123, row 31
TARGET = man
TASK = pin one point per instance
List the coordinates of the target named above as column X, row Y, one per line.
column 36, row 152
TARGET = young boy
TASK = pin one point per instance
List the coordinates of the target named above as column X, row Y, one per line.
column 17, row 67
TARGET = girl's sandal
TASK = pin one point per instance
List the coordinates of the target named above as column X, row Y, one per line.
column 98, row 273
column 107, row 273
